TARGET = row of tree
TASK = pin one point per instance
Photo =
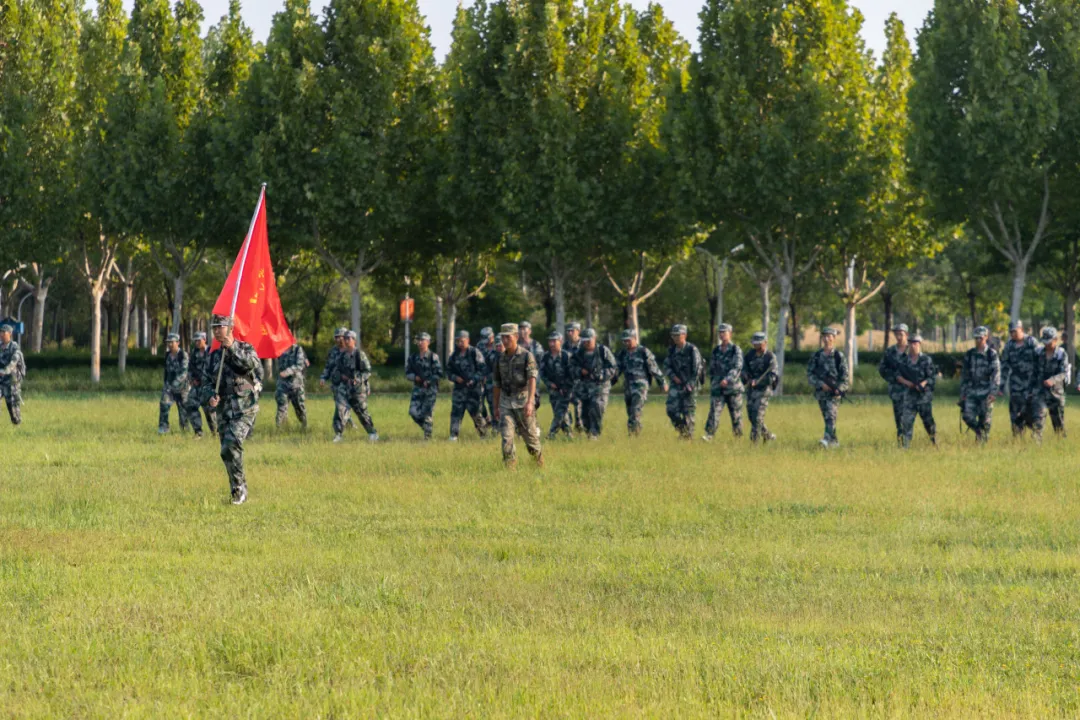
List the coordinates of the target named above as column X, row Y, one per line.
column 573, row 149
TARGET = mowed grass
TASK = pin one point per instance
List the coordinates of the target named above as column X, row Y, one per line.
column 646, row 578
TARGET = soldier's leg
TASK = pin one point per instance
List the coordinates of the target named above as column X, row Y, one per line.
column 734, row 403
column 416, row 408
column 579, row 413
column 1038, row 416
column 823, row 406
column 753, row 409
column 1057, row 414
column 601, row 410
column 530, row 433
column 1017, row 413
column 15, row 404
column 474, row 407
column 163, row 410
column 358, row 404
column 565, row 420
column 211, row 413
column 986, row 416
column 898, row 412
column 671, row 405
column 689, row 412
column 556, row 418
column 181, row 399
column 299, row 402
column 926, row 414
column 428, row 413
column 507, row 426
column 341, row 409
column 907, row 421
column 763, row 409
column 233, row 434
column 281, row 397
column 969, row 412
column 635, row 408
column 716, row 407
column 193, row 408
column 457, row 412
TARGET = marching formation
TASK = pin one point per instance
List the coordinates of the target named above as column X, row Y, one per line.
column 496, row 383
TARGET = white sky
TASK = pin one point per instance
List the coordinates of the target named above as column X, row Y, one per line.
column 684, row 13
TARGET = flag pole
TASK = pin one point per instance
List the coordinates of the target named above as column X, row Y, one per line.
column 239, row 277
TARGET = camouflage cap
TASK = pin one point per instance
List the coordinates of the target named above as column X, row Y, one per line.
column 829, row 331
column 6, row 327
column 220, row 321
column 350, row 335
column 916, row 338
column 678, row 329
column 199, row 336
column 172, row 337
column 555, row 335
column 758, row 338
column 588, row 334
column 723, row 327
column 629, row 334
column 1049, row 333
column 524, row 325
column 486, row 332
column 498, row 341
column 423, row 337
column 981, row 331
column 462, row 335
column 573, row 326
column 508, row 329
column 340, row 332
column 1016, row 325
column 900, row 327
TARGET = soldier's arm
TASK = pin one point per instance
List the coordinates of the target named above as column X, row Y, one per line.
column 410, row 369
column 844, row 385
column 241, row 359
column 811, row 373
column 885, row 369
column 611, row 369
column 736, row 370
column 13, row 364
column 326, row 368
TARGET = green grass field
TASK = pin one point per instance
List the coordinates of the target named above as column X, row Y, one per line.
column 653, row 578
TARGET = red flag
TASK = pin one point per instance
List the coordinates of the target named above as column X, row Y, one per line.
column 250, row 294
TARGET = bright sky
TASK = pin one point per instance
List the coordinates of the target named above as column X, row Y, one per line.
column 684, row 13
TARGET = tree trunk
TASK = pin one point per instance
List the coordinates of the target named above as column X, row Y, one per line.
column 125, row 324
column 178, row 302
column 971, row 309
column 354, row 293
column 451, row 325
column 41, row 293
column 1019, row 281
column 721, row 278
column 632, row 316
column 886, row 300
column 588, row 305
column 713, row 321
column 95, row 335
column 549, row 310
column 849, row 338
column 1070, row 325
column 796, row 333
column 558, row 280
column 781, row 329
column 439, row 347
column 316, row 325
column 108, row 328
column 764, row 287
column 152, row 338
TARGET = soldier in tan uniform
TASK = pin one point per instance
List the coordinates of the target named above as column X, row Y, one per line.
column 515, row 396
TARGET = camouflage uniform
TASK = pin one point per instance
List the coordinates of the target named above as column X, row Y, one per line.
column 468, row 396
column 487, row 410
column 353, row 372
column 238, row 404
column 428, row 369
column 638, row 368
column 762, row 369
column 538, row 353
column 980, row 378
column 558, row 375
column 175, row 390
column 290, row 385
column 889, row 369
column 1018, row 377
column 1051, row 400
column 12, row 370
column 828, row 368
column 686, row 365
column 511, row 376
column 202, row 389
column 575, row 403
column 594, row 386
column 328, row 375
column 919, row 402
column 726, row 364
